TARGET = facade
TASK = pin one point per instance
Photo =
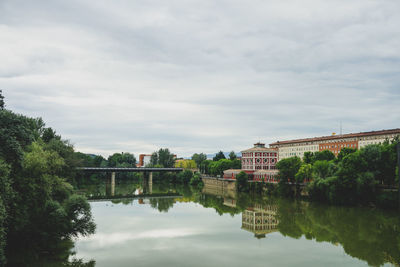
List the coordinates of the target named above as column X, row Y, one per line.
column 144, row 159
column 332, row 143
column 259, row 158
column 258, row 162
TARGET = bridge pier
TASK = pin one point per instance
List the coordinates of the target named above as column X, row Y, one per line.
column 151, row 182
column 112, row 183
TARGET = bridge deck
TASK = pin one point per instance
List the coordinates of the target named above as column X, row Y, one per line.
column 110, row 169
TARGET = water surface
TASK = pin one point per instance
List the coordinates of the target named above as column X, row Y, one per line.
column 213, row 228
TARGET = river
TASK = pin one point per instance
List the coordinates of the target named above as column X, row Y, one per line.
column 182, row 226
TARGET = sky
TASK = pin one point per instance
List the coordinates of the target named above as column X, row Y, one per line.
column 200, row 76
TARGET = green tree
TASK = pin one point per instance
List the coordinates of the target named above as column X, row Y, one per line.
column 288, row 169
column 43, row 212
column 308, row 157
column 196, row 181
column 163, row 157
column 242, row 182
column 218, row 156
column 218, row 167
column 2, row 104
column 34, row 199
column 321, row 168
column 345, row 151
column 232, row 155
column 323, row 155
column 185, row 176
column 48, row 134
column 199, row 158
column 236, row 164
column 119, row 159
column 186, row 164
column 17, row 132
column 6, row 194
column 205, row 166
column 304, row 173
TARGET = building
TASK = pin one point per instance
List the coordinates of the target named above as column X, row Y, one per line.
column 258, row 162
column 144, row 159
column 259, row 158
column 332, row 143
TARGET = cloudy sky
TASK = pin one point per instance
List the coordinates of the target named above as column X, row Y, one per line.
column 200, row 76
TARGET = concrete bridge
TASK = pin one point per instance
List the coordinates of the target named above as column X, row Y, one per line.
column 113, row 170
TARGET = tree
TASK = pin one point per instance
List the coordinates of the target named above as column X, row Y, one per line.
column 48, row 134
column 6, row 194
column 304, row 173
column 323, row 155
column 35, row 201
column 199, row 158
column 163, row 157
column 196, row 181
column 98, row 161
column 186, row 164
column 218, row 167
column 42, row 212
column 242, row 182
column 288, row 169
column 232, row 155
column 185, row 176
column 119, row 159
column 321, row 168
column 345, row 151
column 218, row 156
column 2, row 104
column 205, row 166
column 236, row 164
column 17, row 132
column 308, row 157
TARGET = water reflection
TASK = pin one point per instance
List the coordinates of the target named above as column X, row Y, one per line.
column 372, row 236
column 260, row 219
column 61, row 253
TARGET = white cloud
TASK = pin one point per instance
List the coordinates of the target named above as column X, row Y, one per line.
column 200, row 76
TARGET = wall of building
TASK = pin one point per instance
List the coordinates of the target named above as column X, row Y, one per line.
column 334, row 143
column 259, row 160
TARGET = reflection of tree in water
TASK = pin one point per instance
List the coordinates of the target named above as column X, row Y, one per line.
column 367, row 234
column 162, row 204
column 370, row 235
column 57, row 255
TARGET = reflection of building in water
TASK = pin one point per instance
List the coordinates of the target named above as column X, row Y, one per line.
column 230, row 202
column 143, row 201
column 219, row 187
column 260, row 220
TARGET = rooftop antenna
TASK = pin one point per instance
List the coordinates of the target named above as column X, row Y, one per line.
column 340, row 127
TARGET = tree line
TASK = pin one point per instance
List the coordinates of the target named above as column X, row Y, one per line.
column 38, row 207
column 353, row 177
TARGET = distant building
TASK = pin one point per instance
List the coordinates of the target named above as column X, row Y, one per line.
column 332, row 143
column 258, row 162
column 259, row 158
column 144, row 159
